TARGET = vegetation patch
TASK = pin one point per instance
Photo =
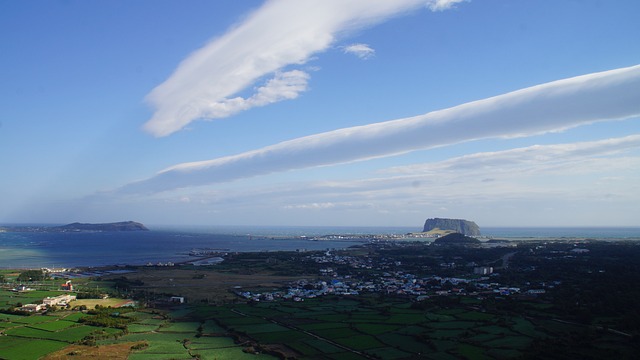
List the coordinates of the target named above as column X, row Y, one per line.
column 389, row 353
column 141, row 328
column 472, row 352
column 82, row 352
column 336, row 333
column 24, row 349
column 323, row 346
column 54, row 325
column 511, row 342
column 261, row 328
column 376, row 329
column 360, row 342
column 181, row 327
column 211, row 343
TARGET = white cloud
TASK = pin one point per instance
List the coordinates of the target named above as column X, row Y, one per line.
column 284, row 86
column 279, row 34
column 562, row 171
column 588, row 178
column 549, row 107
column 534, row 158
column 440, row 5
column 312, row 206
column 363, row 51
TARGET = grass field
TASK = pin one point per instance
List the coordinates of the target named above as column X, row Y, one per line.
column 331, row 328
column 26, row 349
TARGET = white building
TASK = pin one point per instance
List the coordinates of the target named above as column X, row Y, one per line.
column 483, row 270
column 61, row 300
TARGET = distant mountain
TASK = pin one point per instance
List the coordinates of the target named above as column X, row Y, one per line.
column 116, row 226
column 456, row 239
column 461, row 226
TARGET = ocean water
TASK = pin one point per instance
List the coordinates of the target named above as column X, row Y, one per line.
column 612, row 233
column 163, row 244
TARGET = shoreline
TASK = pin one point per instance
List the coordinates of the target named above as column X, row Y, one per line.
column 508, row 241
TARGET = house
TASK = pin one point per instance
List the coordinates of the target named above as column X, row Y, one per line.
column 67, row 286
column 176, row 299
column 31, row 307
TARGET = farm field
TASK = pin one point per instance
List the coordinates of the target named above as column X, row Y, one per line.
column 347, row 328
column 329, row 328
column 576, row 318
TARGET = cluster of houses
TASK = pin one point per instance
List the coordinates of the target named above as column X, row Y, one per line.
column 390, row 283
column 480, row 283
column 49, row 301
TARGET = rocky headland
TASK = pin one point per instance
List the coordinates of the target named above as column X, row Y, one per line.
column 461, row 226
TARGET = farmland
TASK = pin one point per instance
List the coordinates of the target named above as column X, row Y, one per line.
column 376, row 303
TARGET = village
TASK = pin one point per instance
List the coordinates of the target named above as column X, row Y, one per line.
column 480, row 281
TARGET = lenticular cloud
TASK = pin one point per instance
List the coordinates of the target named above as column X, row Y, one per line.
column 279, row 34
column 553, row 106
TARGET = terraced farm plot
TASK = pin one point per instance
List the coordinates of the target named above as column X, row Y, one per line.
column 210, row 327
column 360, row 342
column 260, row 328
column 141, row 328
column 389, row 353
column 12, row 348
column 34, row 319
column 336, row 333
column 207, row 342
column 54, row 325
column 321, row 326
column 451, row 325
column 281, row 337
column 74, row 316
column 114, row 351
column 180, row 327
column 68, row 335
column 163, row 346
column 323, row 347
column 407, row 343
column 234, row 353
column 472, row 352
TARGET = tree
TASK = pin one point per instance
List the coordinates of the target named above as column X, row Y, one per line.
column 32, row 275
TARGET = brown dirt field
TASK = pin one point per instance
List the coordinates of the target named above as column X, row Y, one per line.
column 83, row 352
column 91, row 303
column 214, row 286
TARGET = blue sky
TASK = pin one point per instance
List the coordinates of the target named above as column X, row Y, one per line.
column 508, row 113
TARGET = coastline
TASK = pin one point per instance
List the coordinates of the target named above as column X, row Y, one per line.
column 24, row 250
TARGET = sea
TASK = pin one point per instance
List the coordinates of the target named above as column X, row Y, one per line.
column 20, row 250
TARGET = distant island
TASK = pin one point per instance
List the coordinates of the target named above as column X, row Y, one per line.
column 445, row 226
column 116, row 226
column 79, row 227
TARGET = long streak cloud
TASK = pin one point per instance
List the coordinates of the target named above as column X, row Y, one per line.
column 554, row 106
column 281, row 33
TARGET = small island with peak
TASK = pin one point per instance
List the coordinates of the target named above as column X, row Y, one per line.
column 116, row 226
column 80, row 227
column 443, row 226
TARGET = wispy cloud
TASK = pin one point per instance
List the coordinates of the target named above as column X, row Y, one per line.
column 537, row 158
column 548, row 107
column 440, row 5
column 593, row 174
column 363, row 51
column 279, row 34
